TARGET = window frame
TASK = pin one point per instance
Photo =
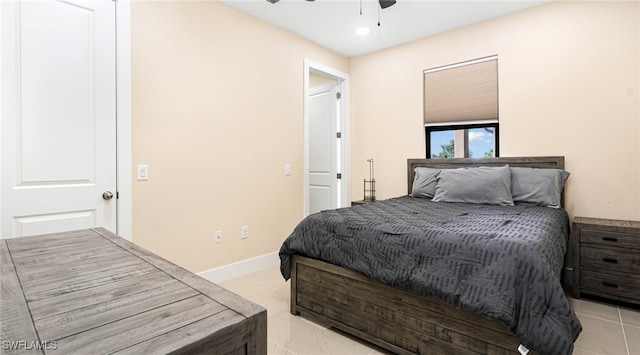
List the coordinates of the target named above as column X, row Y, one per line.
column 453, row 127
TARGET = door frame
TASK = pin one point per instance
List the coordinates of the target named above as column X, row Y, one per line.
column 343, row 81
column 124, row 201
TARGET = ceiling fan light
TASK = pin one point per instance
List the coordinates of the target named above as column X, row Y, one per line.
column 362, row 31
column 273, row 1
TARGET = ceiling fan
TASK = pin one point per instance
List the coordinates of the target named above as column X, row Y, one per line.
column 383, row 3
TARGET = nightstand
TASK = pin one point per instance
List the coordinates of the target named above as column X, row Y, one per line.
column 361, row 202
column 606, row 259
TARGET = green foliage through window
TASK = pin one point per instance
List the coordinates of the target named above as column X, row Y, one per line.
column 473, row 141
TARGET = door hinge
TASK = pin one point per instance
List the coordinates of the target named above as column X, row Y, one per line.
column 339, row 176
column 338, row 134
column 338, row 95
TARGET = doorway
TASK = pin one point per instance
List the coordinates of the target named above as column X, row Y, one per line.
column 326, row 138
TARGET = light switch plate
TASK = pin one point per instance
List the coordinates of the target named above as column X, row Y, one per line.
column 143, row 172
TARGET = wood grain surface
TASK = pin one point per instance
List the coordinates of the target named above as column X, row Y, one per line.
column 90, row 291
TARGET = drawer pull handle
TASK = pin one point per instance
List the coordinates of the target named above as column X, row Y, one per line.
column 609, row 284
column 609, row 239
column 610, row 260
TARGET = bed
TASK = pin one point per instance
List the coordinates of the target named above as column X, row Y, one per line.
column 480, row 279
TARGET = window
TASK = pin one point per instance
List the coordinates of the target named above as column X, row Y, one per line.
column 461, row 109
column 462, row 141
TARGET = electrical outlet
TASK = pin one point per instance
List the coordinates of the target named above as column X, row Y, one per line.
column 218, row 237
column 244, row 232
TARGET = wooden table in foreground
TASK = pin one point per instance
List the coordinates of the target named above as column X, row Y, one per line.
column 90, row 291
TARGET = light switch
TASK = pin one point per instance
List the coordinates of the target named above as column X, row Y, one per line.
column 287, row 169
column 143, row 172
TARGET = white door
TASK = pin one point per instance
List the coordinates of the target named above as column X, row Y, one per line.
column 58, row 116
column 323, row 148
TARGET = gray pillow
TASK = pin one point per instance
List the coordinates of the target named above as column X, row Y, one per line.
column 490, row 186
column 424, row 183
column 541, row 187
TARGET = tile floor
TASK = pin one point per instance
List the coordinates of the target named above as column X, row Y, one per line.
column 607, row 329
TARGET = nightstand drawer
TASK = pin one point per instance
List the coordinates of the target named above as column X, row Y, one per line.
column 627, row 286
column 616, row 239
column 610, row 259
column 361, row 202
column 606, row 258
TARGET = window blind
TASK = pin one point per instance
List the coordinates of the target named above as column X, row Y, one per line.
column 462, row 92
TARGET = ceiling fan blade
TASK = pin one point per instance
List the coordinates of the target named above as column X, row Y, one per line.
column 386, row 3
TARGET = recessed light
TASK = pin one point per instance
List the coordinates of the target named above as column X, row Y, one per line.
column 362, row 31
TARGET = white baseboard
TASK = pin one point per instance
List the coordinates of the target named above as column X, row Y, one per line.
column 241, row 268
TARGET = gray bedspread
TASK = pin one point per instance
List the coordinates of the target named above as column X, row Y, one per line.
column 503, row 262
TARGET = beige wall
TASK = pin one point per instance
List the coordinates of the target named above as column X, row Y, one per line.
column 217, row 112
column 569, row 85
column 318, row 80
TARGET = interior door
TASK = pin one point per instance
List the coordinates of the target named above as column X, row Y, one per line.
column 323, row 144
column 58, row 116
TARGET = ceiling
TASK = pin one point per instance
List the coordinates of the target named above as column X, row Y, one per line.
column 333, row 23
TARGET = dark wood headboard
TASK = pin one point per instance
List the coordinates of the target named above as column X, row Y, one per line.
column 527, row 162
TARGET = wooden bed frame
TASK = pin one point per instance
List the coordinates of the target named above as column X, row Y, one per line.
column 398, row 320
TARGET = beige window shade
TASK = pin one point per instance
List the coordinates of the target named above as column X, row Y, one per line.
column 462, row 92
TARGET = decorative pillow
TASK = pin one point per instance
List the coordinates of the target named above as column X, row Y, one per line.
column 490, row 186
column 424, row 183
column 541, row 187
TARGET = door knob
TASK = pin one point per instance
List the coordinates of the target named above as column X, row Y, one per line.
column 107, row 195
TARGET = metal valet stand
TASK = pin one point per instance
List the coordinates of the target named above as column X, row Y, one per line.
column 370, row 185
